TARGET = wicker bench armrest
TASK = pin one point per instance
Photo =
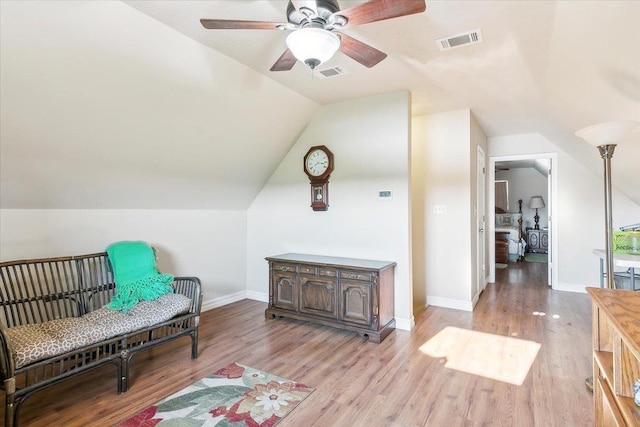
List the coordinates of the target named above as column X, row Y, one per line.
column 7, row 364
column 190, row 287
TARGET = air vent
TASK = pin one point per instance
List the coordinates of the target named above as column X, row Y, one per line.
column 331, row 72
column 470, row 37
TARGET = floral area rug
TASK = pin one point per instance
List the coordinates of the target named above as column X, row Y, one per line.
column 234, row 396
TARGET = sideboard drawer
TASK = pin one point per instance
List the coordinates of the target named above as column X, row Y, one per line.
column 355, row 275
column 328, row 272
column 305, row 269
column 284, row 267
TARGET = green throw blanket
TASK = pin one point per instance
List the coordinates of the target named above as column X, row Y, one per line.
column 137, row 278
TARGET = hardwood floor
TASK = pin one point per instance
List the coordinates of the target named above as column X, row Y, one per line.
column 358, row 383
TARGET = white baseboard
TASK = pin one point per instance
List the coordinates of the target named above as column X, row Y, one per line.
column 570, row 287
column 224, row 300
column 258, row 296
column 406, row 324
column 228, row 299
column 450, row 303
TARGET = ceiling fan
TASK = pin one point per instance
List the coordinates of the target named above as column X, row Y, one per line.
column 315, row 25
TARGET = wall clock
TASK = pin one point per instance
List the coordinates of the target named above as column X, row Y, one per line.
column 318, row 165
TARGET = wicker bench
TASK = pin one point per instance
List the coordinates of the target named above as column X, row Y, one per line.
column 36, row 291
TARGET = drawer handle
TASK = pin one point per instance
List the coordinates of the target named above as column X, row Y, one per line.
column 284, row 268
column 329, row 287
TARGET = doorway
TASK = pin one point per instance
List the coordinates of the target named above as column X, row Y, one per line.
column 481, row 243
column 546, row 165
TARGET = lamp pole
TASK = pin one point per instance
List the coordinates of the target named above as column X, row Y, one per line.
column 606, row 152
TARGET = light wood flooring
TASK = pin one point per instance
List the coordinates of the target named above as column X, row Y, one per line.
column 359, row 383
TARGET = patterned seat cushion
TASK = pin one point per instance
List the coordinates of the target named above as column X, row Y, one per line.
column 44, row 340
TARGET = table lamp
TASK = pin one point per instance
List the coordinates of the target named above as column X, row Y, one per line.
column 536, row 203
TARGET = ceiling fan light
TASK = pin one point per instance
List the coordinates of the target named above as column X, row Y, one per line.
column 313, row 46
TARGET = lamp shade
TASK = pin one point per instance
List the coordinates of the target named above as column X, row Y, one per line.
column 606, row 133
column 536, row 202
column 313, row 46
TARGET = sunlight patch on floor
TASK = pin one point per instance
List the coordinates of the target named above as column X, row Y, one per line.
column 492, row 356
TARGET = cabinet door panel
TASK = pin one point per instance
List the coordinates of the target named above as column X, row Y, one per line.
column 355, row 302
column 318, row 296
column 544, row 240
column 285, row 293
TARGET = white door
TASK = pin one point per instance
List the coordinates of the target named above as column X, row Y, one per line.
column 480, row 215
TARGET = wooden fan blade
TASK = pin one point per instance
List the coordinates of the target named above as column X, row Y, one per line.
column 306, row 4
column 232, row 24
column 285, row 62
column 379, row 10
column 359, row 51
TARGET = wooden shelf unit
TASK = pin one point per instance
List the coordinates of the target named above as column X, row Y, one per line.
column 616, row 355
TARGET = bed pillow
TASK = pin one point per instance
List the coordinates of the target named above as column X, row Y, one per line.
column 503, row 220
column 508, row 219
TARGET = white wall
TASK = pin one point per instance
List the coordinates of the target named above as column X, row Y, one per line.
column 207, row 244
column 419, row 211
column 444, row 249
column 369, row 138
column 580, row 208
column 525, row 183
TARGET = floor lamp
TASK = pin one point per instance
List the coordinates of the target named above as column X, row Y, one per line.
column 605, row 136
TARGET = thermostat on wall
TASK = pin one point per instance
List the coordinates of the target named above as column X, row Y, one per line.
column 385, row 195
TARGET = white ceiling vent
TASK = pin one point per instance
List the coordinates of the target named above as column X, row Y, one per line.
column 460, row 40
column 331, row 72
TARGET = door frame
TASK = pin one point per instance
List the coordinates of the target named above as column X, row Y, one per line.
column 481, row 215
column 553, row 213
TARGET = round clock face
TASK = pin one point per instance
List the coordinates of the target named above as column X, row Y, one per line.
column 317, row 163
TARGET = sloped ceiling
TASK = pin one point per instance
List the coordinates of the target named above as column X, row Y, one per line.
column 104, row 107
column 551, row 67
column 540, row 165
column 119, row 104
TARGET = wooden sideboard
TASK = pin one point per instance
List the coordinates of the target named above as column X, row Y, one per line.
column 346, row 293
column 616, row 355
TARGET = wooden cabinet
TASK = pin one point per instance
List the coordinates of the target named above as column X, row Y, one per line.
column 502, row 247
column 616, row 355
column 347, row 293
column 538, row 241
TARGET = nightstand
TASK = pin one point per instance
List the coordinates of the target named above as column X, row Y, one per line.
column 538, row 241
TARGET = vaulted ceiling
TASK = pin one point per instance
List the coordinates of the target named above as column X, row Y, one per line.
column 118, row 104
column 550, row 67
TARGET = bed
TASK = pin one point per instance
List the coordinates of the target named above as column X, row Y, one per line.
column 511, row 224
